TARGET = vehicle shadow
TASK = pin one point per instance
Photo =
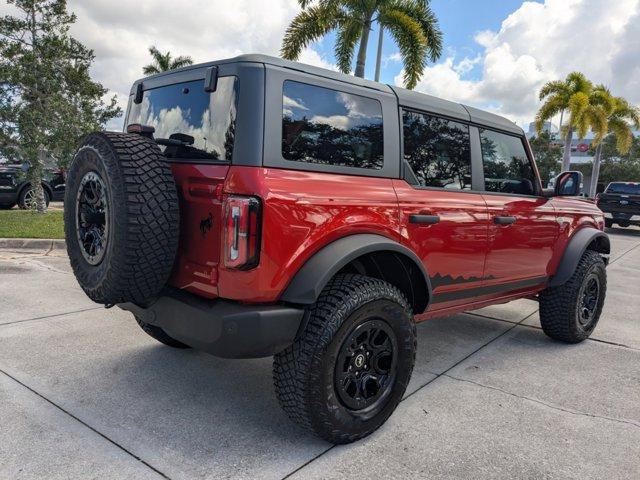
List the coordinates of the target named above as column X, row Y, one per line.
column 197, row 413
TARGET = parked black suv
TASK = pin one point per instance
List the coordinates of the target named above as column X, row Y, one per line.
column 15, row 187
column 620, row 203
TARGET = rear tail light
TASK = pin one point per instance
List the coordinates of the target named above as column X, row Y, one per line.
column 242, row 232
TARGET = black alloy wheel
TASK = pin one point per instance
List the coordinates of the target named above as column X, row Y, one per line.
column 366, row 365
column 92, row 219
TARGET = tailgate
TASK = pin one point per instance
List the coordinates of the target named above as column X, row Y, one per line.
column 200, row 193
column 609, row 202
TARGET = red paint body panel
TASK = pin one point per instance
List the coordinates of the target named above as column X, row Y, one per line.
column 200, row 193
column 465, row 253
column 523, row 249
column 454, row 249
column 302, row 212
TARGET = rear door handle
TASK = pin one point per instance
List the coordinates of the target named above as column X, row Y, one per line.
column 424, row 219
column 504, row 220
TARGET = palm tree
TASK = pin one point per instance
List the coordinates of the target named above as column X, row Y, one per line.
column 572, row 94
column 163, row 62
column 412, row 24
column 621, row 118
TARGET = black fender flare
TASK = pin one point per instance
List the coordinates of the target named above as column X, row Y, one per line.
column 578, row 244
column 311, row 278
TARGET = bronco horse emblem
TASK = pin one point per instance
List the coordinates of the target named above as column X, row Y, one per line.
column 206, row 224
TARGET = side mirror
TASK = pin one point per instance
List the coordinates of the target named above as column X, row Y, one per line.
column 568, row 184
column 25, row 167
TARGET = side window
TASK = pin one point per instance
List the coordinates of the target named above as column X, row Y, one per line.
column 321, row 125
column 507, row 168
column 438, row 151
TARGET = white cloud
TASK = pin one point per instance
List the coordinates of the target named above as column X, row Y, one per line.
column 121, row 31
column 291, row 103
column 541, row 42
column 341, row 122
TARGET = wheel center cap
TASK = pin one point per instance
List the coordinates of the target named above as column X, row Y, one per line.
column 359, row 361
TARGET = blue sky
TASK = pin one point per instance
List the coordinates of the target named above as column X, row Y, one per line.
column 460, row 20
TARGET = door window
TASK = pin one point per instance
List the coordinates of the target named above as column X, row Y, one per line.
column 326, row 126
column 437, row 151
column 507, row 168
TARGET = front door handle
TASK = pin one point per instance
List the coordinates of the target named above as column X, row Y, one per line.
column 504, row 220
column 424, row 219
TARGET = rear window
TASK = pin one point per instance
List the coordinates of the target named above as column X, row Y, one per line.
column 321, row 125
column 624, row 188
column 186, row 109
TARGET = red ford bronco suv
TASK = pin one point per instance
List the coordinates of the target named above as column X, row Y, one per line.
column 259, row 207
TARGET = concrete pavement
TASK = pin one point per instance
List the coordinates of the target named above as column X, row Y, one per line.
column 85, row 393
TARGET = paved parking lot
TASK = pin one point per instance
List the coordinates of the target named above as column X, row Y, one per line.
column 84, row 393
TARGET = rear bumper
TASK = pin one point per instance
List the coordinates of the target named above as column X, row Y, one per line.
column 222, row 328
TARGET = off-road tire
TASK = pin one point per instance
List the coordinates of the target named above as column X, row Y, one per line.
column 304, row 373
column 143, row 220
column 559, row 306
column 160, row 335
column 608, row 223
column 22, row 200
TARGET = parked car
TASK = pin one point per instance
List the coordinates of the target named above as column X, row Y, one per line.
column 15, row 188
column 259, row 207
column 620, row 203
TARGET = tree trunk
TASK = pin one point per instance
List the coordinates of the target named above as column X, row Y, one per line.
column 595, row 173
column 379, row 55
column 566, row 156
column 362, row 50
column 35, row 179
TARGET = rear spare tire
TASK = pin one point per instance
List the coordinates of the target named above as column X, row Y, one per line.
column 121, row 218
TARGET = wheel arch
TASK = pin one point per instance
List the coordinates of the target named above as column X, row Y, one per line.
column 587, row 238
column 368, row 254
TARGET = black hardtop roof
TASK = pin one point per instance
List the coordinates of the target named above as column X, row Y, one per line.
column 406, row 98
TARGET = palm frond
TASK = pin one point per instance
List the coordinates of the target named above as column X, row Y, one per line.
column 556, row 87
column 411, row 41
column 308, row 26
column 420, row 11
column 548, row 110
column 596, row 119
column 578, row 103
column 578, row 82
column 349, row 33
column 181, row 61
column 150, row 70
column 625, row 111
column 623, row 134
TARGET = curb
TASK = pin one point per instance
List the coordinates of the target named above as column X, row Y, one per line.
column 33, row 243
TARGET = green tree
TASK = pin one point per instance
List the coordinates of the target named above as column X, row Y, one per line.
column 163, row 62
column 47, row 98
column 411, row 23
column 548, row 155
column 571, row 94
column 620, row 118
